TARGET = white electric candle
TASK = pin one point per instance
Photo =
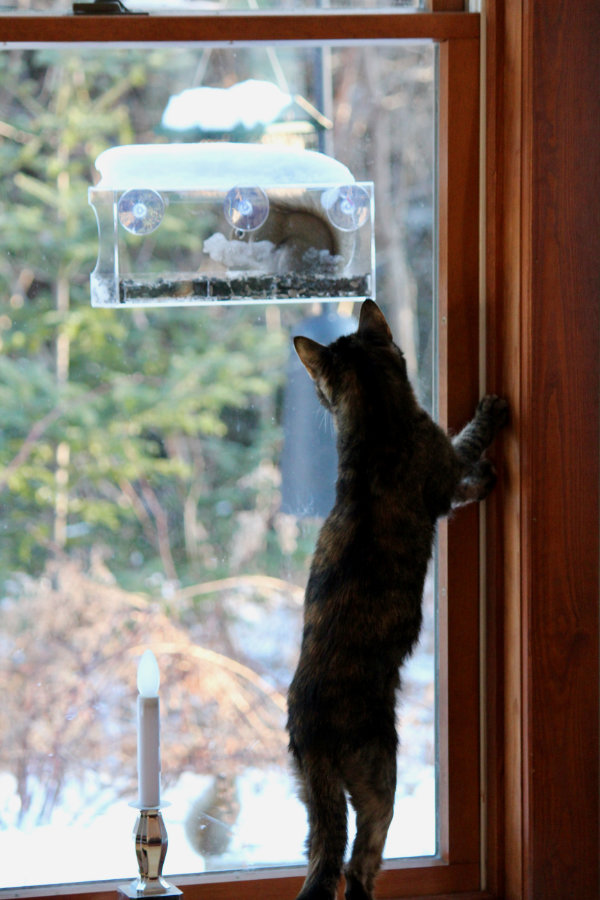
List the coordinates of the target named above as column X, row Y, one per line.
column 148, row 724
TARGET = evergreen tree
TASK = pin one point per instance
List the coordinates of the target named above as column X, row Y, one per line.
column 126, row 429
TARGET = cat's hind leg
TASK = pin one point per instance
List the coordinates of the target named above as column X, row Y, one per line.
column 322, row 790
column 371, row 782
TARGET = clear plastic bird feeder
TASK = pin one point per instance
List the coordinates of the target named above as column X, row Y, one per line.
column 212, row 223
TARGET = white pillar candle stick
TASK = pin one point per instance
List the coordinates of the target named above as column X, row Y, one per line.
column 148, row 725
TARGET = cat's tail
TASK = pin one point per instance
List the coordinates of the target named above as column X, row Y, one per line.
column 322, row 790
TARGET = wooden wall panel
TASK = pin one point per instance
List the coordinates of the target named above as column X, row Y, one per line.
column 561, row 617
column 544, row 292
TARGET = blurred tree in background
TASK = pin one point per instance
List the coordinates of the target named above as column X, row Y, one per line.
column 139, row 449
column 136, row 453
column 120, row 429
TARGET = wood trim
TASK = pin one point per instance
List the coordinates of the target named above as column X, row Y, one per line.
column 413, row 878
column 445, row 5
column 561, row 349
column 418, row 878
column 458, row 329
column 499, row 556
column 242, row 28
column 281, row 889
column 543, row 184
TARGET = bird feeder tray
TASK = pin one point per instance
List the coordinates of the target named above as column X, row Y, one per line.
column 199, row 224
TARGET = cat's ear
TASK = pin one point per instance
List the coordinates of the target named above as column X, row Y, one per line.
column 372, row 319
column 312, row 355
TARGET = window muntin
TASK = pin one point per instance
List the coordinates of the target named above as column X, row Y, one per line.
column 94, row 413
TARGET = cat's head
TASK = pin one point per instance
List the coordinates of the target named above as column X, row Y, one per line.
column 357, row 370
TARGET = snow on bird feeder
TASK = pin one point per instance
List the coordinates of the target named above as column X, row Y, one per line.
column 209, row 223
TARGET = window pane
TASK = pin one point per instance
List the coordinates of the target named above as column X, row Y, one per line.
column 149, row 469
column 207, row 6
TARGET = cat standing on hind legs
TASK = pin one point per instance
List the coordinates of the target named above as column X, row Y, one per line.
column 398, row 472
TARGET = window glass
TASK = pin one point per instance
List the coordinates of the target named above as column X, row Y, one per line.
column 164, row 471
column 208, row 6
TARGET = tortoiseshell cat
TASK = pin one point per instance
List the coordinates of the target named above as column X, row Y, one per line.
column 397, row 473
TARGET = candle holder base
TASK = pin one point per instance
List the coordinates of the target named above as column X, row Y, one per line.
column 139, row 888
column 150, row 836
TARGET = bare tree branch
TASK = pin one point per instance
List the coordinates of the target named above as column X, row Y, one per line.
column 162, row 530
column 265, row 583
column 224, row 662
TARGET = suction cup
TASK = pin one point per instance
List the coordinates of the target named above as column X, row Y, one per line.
column 246, row 208
column 347, row 207
column 140, row 211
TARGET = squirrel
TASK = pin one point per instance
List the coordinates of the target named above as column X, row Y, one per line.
column 297, row 236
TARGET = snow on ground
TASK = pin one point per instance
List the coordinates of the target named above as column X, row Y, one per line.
column 270, row 831
column 89, row 837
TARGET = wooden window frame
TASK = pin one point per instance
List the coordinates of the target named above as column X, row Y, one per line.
column 541, row 263
column 540, row 180
column 457, row 868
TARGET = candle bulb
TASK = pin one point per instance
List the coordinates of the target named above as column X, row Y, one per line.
column 148, row 725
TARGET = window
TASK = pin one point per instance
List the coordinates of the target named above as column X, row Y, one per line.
column 131, row 505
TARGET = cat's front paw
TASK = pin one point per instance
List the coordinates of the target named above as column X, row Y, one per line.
column 494, row 409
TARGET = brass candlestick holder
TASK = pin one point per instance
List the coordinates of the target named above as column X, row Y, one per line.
column 151, row 842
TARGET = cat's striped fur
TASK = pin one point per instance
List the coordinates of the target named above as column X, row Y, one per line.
column 398, row 472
